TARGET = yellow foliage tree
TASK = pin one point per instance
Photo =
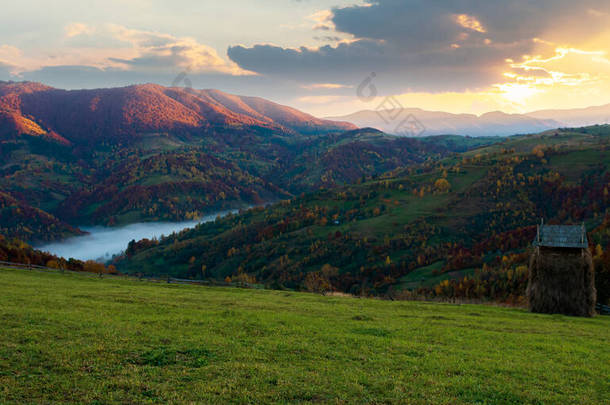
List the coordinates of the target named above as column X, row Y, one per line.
column 442, row 185
column 53, row 264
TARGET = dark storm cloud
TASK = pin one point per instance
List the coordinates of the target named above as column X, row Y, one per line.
column 348, row 63
column 277, row 60
column 423, row 44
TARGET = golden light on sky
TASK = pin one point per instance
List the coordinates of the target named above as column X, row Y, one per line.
column 470, row 22
column 470, row 57
column 566, row 78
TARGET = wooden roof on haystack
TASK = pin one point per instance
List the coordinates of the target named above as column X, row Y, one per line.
column 562, row 236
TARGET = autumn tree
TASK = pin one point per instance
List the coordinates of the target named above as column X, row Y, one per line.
column 317, row 282
column 442, row 185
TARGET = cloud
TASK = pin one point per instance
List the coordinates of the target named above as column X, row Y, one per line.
column 470, row 22
column 349, row 63
column 320, row 99
column 413, row 45
column 5, row 71
column 8, row 53
column 9, row 57
column 327, row 38
column 316, row 86
column 77, row 29
column 434, row 23
column 323, row 20
column 111, row 46
column 566, row 70
column 159, row 51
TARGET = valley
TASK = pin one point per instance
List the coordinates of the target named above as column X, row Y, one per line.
column 355, row 211
column 461, row 216
column 51, row 184
column 305, row 202
column 102, row 243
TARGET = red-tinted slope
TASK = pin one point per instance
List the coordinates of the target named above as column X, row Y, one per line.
column 288, row 117
column 86, row 115
column 11, row 122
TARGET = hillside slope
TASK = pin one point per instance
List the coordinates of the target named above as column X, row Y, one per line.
column 20, row 220
column 456, row 214
column 69, row 338
column 170, row 177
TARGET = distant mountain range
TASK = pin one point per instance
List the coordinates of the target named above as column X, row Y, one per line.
column 74, row 116
column 493, row 123
column 90, row 116
column 577, row 117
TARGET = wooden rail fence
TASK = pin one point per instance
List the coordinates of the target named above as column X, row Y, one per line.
column 170, row 280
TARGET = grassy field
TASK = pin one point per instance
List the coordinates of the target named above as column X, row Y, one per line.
column 81, row 339
column 425, row 277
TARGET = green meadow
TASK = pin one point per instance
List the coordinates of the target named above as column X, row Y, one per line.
column 75, row 338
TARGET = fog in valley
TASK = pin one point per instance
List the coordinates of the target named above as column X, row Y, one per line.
column 102, row 242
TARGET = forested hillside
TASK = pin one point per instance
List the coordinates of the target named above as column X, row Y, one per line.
column 54, row 187
column 438, row 220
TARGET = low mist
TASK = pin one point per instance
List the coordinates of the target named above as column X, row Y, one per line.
column 102, row 243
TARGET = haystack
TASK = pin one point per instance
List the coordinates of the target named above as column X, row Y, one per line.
column 561, row 276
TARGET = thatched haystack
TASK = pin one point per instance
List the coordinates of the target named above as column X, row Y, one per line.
column 561, row 282
column 561, row 275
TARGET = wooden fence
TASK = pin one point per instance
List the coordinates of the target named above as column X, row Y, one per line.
column 170, row 280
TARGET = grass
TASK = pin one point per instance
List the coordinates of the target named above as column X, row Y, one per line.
column 79, row 339
column 425, row 277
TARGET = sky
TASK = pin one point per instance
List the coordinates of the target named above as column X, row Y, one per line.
column 329, row 57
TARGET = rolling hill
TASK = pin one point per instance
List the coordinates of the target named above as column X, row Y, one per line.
column 167, row 178
column 455, row 214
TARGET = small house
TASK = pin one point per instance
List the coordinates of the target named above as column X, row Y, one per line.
column 561, row 277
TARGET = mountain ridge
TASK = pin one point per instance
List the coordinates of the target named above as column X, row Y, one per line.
column 123, row 112
column 495, row 123
column 576, row 116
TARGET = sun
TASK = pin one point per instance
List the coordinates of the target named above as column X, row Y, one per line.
column 517, row 93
